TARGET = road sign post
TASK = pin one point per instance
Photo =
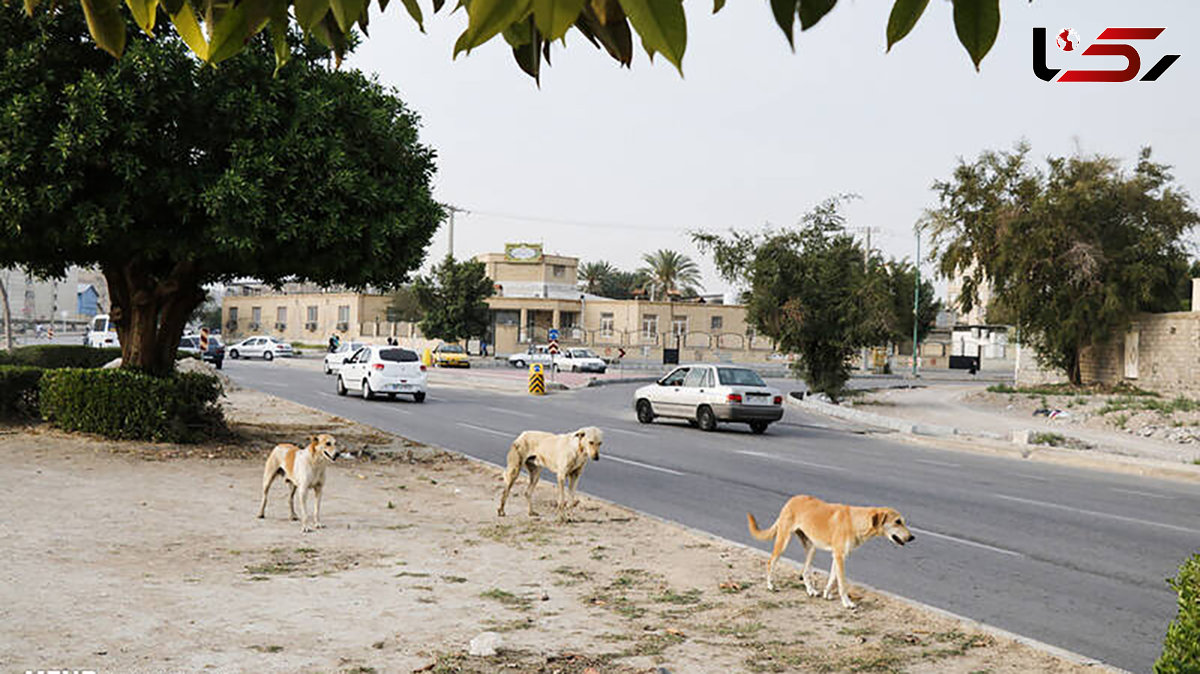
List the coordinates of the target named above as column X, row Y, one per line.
column 203, row 342
column 553, row 350
column 537, row 380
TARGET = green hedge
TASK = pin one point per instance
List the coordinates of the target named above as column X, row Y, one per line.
column 128, row 405
column 19, row 390
column 1181, row 649
column 51, row 356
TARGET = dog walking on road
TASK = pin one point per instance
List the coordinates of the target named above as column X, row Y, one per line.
column 564, row 454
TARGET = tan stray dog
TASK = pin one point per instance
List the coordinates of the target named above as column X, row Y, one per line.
column 565, row 455
column 303, row 469
column 829, row 526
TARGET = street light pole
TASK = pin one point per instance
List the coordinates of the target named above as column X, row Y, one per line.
column 916, row 305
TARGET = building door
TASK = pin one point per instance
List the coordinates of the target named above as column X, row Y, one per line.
column 1131, row 353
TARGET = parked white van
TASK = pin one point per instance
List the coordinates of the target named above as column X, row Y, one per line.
column 101, row 332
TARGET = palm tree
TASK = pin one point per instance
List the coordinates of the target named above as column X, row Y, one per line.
column 593, row 274
column 669, row 272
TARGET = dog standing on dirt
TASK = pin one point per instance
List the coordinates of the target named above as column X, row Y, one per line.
column 829, row 526
column 303, row 469
column 565, row 455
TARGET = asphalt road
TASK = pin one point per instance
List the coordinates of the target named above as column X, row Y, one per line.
column 1072, row 557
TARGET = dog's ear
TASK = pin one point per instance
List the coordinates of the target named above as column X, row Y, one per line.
column 311, row 440
column 878, row 518
column 580, row 433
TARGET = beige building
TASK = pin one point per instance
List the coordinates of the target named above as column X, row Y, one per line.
column 535, row 293
column 978, row 313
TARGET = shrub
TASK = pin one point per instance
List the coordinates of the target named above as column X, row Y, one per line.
column 19, row 390
column 127, row 405
column 1181, row 649
column 52, row 356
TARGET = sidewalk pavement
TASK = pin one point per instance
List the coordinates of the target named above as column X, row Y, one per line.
column 940, row 412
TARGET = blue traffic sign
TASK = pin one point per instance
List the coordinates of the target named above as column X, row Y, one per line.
column 553, row 333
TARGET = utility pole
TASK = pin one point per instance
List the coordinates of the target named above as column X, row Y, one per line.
column 453, row 210
column 916, row 305
column 868, row 231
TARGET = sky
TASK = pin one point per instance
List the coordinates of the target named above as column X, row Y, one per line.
column 603, row 162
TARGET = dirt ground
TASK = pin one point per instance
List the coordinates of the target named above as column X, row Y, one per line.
column 126, row 557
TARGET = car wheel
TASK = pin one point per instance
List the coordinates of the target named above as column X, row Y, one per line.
column 268, row 356
column 759, row 427
column 705, row 419
column 518, row 363
column 341, row 388
column 645, row 413
column 233, row 353
column 419, row 397
column 368, row 394
column 692, row 423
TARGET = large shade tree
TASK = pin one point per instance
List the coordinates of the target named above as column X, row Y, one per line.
column 453, row 300
column 217, row 29
column 170, row 175
column 1071, row 252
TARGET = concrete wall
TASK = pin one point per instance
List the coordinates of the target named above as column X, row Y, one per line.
column 1160, row 352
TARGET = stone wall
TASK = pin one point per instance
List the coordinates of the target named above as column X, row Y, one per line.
column 1160, row 352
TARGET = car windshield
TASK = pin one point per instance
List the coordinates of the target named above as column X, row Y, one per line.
column 451, row 348
column 736, row 376
column 214, row 341
column 398, row 355
column 582, row 353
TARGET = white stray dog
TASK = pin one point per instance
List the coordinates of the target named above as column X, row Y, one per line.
column 303, row 469
column 565, row 455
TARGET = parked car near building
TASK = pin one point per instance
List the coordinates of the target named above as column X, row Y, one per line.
column 267, row 348
column 334, row 359
column 450, row 355
column 534, row 354
column 579, row 360
column 215, row 353
column 705, row 395
column 101, row 332
column 383, row 370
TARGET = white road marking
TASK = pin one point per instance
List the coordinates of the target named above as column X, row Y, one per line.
column 1039, row 478
column 964, row 541
column 789, row 460
column 642, row 465
column 1083, row 511
column 486, row 430
column 513, row 412
column 1142, row 493
column 623, row 431
column 938, row 463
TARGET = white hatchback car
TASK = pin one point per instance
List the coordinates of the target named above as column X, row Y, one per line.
column 267, row 348
column 383, row 370
column 579, row 360
column 335, row 358
column 707, row 394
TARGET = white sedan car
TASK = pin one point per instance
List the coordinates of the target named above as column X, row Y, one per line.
column 335, row 358
column 579, row 360
column 267, row 348
column 383, row 370
column 707, row 394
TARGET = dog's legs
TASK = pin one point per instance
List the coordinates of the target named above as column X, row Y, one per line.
column 268, row 479
column 535, row 474
column 839, row 565
column 511, row 473
column 304, row 528
column 782, row 536
column 292, row 500
column 809, row 551
column 317, row 489
column 832, row 576
column 574, row 483
column 562, row 497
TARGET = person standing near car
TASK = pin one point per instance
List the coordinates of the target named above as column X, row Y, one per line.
column 334, row 342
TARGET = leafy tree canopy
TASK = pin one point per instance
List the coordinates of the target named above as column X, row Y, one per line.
column 902, row 279
column 170, row 175
column 1071, row 252
column 216, row 29
column 453, row 299
column 404, row 306
column 811, row 290
column 667, row 273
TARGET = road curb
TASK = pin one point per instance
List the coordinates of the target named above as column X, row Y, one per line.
column 954, row 439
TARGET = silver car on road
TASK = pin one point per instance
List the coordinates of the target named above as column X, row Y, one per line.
column 705, row 395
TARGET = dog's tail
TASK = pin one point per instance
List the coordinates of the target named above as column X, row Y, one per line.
column 760, row 534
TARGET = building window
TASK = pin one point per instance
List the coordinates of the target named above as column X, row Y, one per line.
column 569, row 319
column 559, row 270
column 679, row 326
column 718, row 322
column 281, row 315
column 606, row 324
column 256, row 315
column 344, row 313
column 233, row 314
column 507, row 317
column 650, row 326
column 312, row 314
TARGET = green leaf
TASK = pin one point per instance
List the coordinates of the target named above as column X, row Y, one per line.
column 310, row 12
column 279, row 32
column 414, row 10
column 329, row 34
column 229, row 34
column 106, row 24
column 615, row 35
column 555, row 17
column 487, row 18
column 718, row 5
column 661, row 25
column 437, row 5
column 31, row 5
column 346, row 12
column 812, row 11
column 977, row 23
column 785, row 16
column 144, row 12
column 184, row 20
column 905, row 14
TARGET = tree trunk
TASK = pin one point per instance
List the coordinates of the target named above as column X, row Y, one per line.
column 150, row 313
column 8, row 339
